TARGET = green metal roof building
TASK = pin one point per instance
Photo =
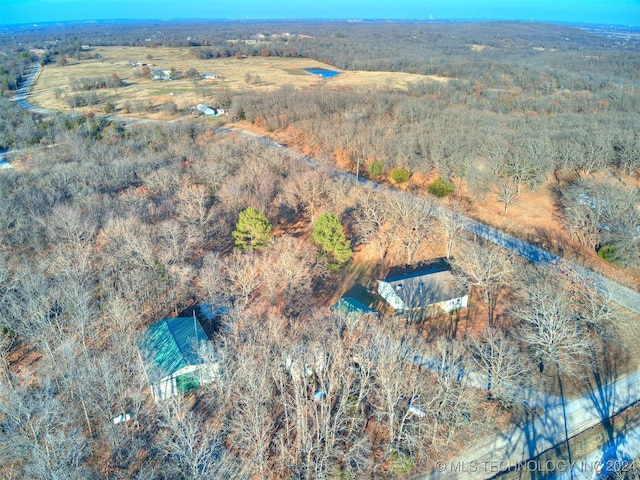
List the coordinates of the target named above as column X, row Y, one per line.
column 172, row 352
column 353, row 309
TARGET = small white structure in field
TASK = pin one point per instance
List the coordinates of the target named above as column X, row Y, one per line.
column 122, row 418
column 160, row 74
column 209, row 111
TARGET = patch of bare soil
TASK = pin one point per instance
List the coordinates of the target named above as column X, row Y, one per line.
column 22, row 360
column 536, row 218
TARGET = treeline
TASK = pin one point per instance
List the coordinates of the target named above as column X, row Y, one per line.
column 13, row 65
column 88, row 95
column 95, row 83
column 17, row 128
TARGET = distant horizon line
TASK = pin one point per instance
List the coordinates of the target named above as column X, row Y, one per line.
column 311, row 19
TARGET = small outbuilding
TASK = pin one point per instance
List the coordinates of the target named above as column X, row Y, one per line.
column 431, row 287
column 352, row 308
column 209, row 111
column 177, row 356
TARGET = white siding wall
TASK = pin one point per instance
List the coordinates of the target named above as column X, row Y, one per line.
column 454, row 304
column 167, row 387
column 387, row 292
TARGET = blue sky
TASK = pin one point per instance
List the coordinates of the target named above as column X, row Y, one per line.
column 617, row 12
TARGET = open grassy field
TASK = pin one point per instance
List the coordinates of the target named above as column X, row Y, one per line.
column 53, row 84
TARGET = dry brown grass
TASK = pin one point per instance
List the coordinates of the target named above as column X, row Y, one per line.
column 274, row 73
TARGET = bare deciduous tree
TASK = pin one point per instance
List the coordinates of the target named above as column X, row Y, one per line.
column 309, row 193
column 413, row 224
column 253, row 418
column 550, row 325
column 242, row 275
column 192, row 446
column 488, row 268
column 452, row 224
column 553, row 331
column 40, row 435
column 194, row 205
column 500, row 357
column 375, row 220
column 508, row 192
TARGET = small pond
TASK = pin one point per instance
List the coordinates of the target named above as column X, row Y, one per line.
column 323, row 72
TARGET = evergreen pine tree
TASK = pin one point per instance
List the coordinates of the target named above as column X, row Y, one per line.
column 253, row 230
column 328, row 234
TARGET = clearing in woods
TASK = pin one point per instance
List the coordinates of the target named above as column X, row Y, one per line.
column 233, row 75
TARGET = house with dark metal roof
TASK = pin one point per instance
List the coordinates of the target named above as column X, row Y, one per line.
column 431, row 287
column 177, row 356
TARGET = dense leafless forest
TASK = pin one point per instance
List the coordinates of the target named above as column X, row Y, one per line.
column 107, row 228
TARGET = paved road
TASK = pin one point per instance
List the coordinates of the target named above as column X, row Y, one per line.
column 23, row 92
column 617, row 293
column 491, row 455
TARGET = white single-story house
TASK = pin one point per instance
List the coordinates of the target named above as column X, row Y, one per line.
column 177, row 356
column 434, row 286
column 158, row 74
column 209, row 111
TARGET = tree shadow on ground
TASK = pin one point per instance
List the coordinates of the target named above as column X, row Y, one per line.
column 603, row 373
column 614, row 454
column 533, row 436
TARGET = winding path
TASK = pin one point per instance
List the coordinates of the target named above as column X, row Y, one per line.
column 21, row 95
